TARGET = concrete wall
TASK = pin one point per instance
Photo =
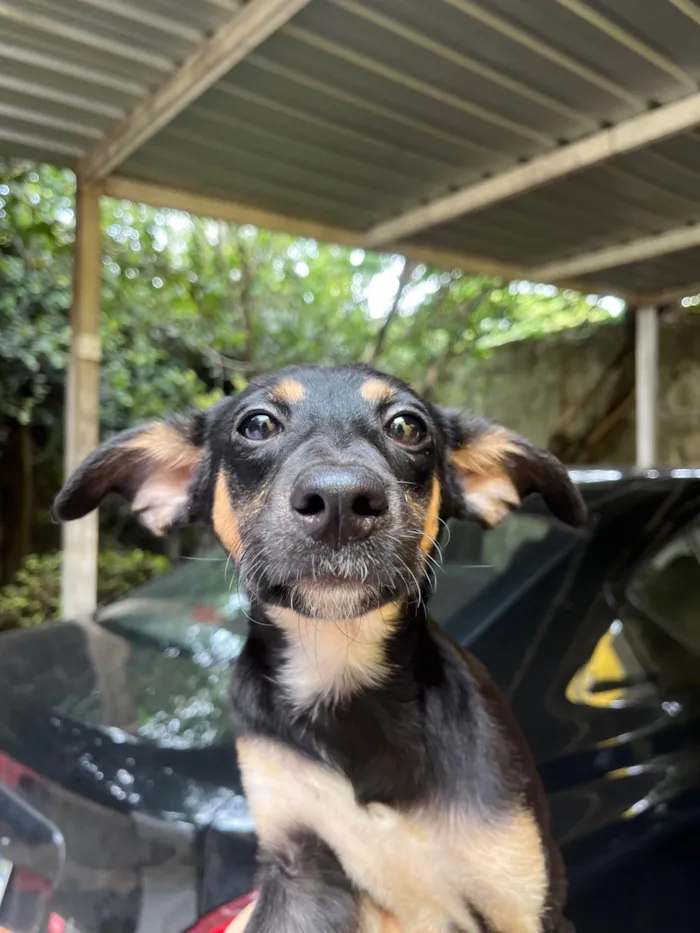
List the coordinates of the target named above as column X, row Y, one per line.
column 533, row 385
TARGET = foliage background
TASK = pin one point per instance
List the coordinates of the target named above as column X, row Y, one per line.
column 194, row 308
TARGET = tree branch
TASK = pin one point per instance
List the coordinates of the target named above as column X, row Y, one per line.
column 372, row 353
column 447, row 354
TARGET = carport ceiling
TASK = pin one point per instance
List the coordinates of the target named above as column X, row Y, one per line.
column 551, row 139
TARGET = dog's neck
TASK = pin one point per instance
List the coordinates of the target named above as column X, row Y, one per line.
column 326, row 661
column 343, row 692
column 319, row 663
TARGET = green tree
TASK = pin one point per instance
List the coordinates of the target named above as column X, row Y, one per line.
column 193, row 309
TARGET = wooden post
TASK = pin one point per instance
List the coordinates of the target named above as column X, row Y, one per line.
column 80, row 538
column 647, row 386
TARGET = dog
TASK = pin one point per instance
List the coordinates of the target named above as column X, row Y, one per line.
column 384, row 771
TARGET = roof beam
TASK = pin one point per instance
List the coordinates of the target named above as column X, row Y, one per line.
column 672, row 295
column 648, row 247
column 245, row 31
column 635, row 133
column 132, row 189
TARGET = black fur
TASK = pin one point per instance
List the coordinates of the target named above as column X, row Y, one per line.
column 435, row 729
column 303, row 888
column 423, row 734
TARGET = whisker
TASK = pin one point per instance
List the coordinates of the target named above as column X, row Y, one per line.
column 438, row 567
column 228, row 562
column 423, row 534
column 191, row 557
column 448, row 530
column 419, row 590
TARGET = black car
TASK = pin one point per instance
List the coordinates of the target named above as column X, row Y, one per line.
column 121, row 808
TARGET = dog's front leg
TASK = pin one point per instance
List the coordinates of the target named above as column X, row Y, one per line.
column 303, row 889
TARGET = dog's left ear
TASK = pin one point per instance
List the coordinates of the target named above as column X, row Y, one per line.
column 153, row 467
column 491, row 470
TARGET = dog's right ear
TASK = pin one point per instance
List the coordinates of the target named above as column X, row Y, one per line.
column 153, row 467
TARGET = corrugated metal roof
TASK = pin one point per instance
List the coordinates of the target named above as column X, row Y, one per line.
column 356, row 111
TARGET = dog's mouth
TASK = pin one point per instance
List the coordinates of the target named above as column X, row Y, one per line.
column 319, row 599
column 336, row 585
column 331, row 579
column 335, row 593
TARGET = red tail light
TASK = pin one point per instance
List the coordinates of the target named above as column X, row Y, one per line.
column 218, row 920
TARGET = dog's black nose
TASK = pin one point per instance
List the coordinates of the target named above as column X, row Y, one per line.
column 339, row 504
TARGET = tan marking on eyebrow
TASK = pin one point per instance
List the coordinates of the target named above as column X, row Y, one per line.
column 432, row 519
column 375, row 390
column 224, row 518
column 288, row 391
column 165, row 444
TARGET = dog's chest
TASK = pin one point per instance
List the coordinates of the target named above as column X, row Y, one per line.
column 430, row 867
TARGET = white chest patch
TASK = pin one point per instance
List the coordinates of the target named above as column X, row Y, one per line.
column 424, row 866
column 327, row 659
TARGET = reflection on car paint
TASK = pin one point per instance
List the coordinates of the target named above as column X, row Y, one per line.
column 127, row 740
column 612, row 677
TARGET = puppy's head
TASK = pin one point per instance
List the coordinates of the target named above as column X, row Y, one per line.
column 327, row 486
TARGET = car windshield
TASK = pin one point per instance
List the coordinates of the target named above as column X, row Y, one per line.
column 186, row 607
column 185, row 628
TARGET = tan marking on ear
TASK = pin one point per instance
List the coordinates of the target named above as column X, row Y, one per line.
column 491, row 497
column 488, row 490
column 224, row 518
column 431, row 525
column 376, row 390
column 327, row 660
column 288, row 391
column 165, row 444
column 424, row 865
column 163, row 493
column 486, row 452
column 160, row 499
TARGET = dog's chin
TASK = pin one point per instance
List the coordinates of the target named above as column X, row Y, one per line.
column 332, row 599
column 336, row 587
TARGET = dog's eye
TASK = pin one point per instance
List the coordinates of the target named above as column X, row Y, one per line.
column 407, row 429
column 260, row 427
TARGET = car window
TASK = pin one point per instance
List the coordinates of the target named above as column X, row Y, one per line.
column 185, row 628
column 653, row 649
column 666, row 588
column 185, row 608
column 616, row 674
column 474, row 558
